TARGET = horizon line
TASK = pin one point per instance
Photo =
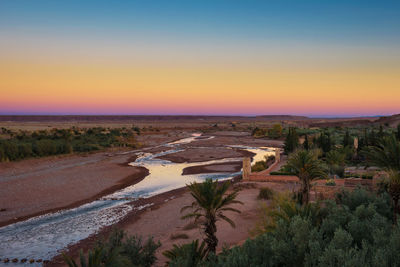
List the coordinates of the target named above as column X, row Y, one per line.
column 203, row 115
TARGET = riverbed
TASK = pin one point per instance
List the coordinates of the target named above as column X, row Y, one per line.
column 45, row 236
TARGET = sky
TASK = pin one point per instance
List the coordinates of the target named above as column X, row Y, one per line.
column 231, row 57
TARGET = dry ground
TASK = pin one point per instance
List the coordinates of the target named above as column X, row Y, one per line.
column 164, row 223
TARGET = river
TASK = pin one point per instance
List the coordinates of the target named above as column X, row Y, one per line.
column 45, row 236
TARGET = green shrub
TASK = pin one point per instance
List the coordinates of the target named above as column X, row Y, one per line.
column 118, row 251
column 259, row 166
column 263, row 164
column 363, row 197
column 330, row 182
column 63, row 141
column 187, row 254
column 367, row 176
column 355, row 231
column 265, row 193
column 337, row 170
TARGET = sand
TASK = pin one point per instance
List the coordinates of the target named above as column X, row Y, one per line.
column 168, row 205
column 233, row 166
column 200, row 154
column 38, row 186
column 34, row 187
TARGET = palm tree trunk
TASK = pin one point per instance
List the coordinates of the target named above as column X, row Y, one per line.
column 211, row 238
column 305, row 191
column 395, row 209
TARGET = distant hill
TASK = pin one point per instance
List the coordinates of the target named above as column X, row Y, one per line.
column 343, row 122
column 300, row 121
column 283, row 117
column 393, row 120
column 127, row 118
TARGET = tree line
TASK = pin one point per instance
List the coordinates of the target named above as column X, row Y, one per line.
column 21, row 145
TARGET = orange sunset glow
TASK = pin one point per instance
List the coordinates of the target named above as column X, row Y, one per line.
column 120, row 71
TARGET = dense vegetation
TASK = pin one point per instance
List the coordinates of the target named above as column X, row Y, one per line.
column 358, row 228
column 341, row 147
column 118, row 251
column 21, row 145
column 274, row 132
column 354, row 230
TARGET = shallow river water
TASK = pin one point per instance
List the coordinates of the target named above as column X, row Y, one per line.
column 45, row 236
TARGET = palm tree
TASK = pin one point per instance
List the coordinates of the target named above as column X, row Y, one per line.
column 191, row 254
column 94, row 259
column 394, row 191
column 208, row 207
column 385, row 154
column 305, row 165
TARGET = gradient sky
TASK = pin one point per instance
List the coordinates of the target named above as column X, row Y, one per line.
column 318, row 58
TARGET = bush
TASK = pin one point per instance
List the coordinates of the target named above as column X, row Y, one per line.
column 356, row 231
column 265, row 193
column 118, row 251
column 86, row 147
column 361, row 196
column 45, row 147
column 187, row 254
column 337, row 170
column 56, row 141
column 367, row 176
column 263, row 164
column 330, row 182
column 259, row 166
column 24, row 150
column 10, row 150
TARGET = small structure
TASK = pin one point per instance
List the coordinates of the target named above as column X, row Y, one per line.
column 356, row 143
column 277, row 155
column 246, row 168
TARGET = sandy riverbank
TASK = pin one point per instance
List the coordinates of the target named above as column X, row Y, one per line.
column 167, row 206
column 200, row 154
column 38, row 186
column 233, row 166
column 34, row 187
